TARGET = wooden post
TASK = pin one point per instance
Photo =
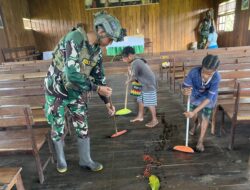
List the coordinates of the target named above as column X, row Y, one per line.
column 19, row 182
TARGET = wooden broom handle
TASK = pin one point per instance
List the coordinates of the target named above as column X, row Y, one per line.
column 110, row 102
column 126, row 97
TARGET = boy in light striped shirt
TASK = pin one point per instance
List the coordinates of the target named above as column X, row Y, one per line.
column 141, row 72
column 202, row 85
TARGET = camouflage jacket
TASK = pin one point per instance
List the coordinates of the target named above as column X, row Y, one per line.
column 76, row 67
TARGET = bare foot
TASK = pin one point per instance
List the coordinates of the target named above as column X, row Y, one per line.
column 152, row 124
column 136, row 119
column 200, row 147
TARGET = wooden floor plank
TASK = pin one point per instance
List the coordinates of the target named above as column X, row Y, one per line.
column 122, row 157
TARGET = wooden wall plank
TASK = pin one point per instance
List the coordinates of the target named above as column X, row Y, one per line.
column 171, row 25
column 3, row 44
column 14, row 34
column 162, row 23
column 13, row 14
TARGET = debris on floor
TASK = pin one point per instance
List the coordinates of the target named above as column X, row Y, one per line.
column 154, row 182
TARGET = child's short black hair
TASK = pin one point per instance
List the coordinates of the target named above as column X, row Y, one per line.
column 128, row 50
column 211, row 29
column 211, row 62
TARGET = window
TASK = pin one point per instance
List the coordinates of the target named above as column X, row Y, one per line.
column 226, row 15
column 27, row 24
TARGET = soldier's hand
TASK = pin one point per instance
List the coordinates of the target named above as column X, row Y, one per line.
column 111, row 110
column 105, row 91
column 187, row 91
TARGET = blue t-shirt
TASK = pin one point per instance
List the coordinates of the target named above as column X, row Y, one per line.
column 212, row 38
column 200, row 90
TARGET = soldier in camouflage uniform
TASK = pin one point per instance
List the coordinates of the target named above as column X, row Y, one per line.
column 75, row 71
column 204, row 27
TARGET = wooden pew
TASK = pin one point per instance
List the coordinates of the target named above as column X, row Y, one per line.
column 240, row 51
column 20, row 53
column 227, row 89
column 239, row 110
column 178, row 70
column 165, row 66
column 230, row 74
column 176, row 73
column 23, row 63
column 21, row 137
column 111, row 67
column 27, row 88
column 193, row 58
column 10, row 177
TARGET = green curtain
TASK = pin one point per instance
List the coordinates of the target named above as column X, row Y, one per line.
column 118, row 50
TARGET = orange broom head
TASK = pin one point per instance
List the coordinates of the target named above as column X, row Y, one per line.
column 186, row 149
column 119, row 133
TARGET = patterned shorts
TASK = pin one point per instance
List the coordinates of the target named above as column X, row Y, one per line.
column 205, row 112
column 148, row 98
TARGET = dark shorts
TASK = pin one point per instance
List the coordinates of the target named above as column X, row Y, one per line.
column 205, row 112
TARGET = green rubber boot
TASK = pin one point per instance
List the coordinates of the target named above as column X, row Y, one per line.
column 61, row 162
column 84, row 154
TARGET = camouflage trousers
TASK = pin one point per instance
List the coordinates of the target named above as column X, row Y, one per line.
column 55, row 114
column 203, row 41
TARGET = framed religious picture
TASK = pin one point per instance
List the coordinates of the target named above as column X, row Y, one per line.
column 244, row 4
column 91, row 4
column 1, row 19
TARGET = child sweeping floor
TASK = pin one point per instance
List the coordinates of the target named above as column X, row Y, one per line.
column 202, row 85
column 140, row 71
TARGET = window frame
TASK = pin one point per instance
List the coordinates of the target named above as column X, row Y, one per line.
column 221, row 25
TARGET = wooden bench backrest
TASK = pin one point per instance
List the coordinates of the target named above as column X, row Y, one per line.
column 21, row 83
column 19, row 92
column 33, row 101
column 10, row 177
column 10, row 54
column 24, row 69
column 22, row 76
column 29, row 95
column 24, row 63
column 239, row 49
column 244, row 92
column 14, row 116
column 235, row 74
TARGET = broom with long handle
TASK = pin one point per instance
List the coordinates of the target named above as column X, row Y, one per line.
column 117, row 133
column 186, row 148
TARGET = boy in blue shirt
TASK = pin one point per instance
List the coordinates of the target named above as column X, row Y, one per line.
column 202, row 85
